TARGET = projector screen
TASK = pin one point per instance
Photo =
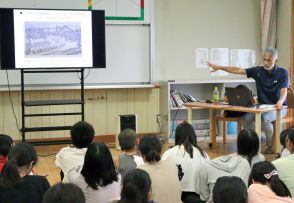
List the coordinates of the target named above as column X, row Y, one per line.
column 33, row 38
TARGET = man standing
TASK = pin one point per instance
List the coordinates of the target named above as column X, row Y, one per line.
column 272, row 82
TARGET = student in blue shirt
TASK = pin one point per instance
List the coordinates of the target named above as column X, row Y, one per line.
column 272, row 82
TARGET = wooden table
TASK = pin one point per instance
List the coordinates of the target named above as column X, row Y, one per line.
column 220, row 106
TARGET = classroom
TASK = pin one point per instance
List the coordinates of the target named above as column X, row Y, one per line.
column 152, row 52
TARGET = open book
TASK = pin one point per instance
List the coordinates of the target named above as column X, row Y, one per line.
column 267, row 106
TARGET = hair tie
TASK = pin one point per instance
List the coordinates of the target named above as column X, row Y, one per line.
column 269, row 175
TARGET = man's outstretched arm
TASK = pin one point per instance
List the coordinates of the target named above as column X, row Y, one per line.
column 229, row 69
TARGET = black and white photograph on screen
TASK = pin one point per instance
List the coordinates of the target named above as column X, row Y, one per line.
column 52, row 39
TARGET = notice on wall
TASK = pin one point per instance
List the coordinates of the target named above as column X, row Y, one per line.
column 201, row 57
column 219, row 56
column 243, row 58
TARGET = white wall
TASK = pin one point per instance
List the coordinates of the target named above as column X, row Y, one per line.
column 284, row 33
column 182, row 26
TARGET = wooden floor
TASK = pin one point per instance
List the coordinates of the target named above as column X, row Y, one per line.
column 47, row 154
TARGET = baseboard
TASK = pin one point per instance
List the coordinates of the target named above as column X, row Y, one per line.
column 107, row 139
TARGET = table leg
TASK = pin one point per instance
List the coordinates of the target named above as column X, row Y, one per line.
column 212, row 131
column 258, row 127
column 276, row 141
column 190, row 115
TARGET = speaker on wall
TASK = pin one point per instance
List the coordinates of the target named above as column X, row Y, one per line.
column 124, row 122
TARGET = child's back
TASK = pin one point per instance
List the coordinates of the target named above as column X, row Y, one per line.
column 128, row 162
column 82, row 134
column 128, row 159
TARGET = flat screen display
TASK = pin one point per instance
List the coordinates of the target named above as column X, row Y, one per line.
column 32, row 38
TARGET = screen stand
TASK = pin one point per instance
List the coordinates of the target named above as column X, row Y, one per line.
column 31, row 104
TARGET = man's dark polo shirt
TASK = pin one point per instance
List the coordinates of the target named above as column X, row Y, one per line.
column 269, row 85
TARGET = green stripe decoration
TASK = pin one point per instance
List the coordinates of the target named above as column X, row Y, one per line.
column 126, row 18
column 90, row 4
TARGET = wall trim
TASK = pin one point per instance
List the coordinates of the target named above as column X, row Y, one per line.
column 107, row 139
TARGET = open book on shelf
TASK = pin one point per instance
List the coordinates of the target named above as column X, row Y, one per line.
column 177, row 98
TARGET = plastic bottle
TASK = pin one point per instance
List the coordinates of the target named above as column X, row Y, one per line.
column 215, row 95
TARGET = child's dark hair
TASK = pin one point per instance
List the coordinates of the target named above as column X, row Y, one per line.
column 248, row 143
column 20, row 155
column 150, row 148
column 284, row 135
column 136, row 187
column 230, row 190
column 64, row 193
column 98, row 169
column 82, row 134
column 185, row 135
column 127, row 139
column 5, row 144
column 265, row 173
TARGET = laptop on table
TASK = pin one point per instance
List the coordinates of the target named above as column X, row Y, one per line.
column 239, row 96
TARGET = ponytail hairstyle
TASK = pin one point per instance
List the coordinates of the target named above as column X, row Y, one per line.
column 136, row 187
column 20, row 156
column 265, row 173
column 185, row 135
column 284, row 136
column 248, row 144
column 150, row 148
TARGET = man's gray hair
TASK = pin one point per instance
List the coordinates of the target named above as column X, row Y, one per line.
column 272, row 51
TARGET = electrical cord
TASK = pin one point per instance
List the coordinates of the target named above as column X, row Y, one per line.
column 173, row 126
column 96, row 2
column 163, row 123
column 205, row 136
column 45, row 155
column 12, row 105
column 89, row 71
column 173, row 123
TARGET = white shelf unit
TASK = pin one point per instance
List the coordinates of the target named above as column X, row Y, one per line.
column 200, row 89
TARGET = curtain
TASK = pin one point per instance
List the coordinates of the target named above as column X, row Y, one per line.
column 291, row 70
column 268, row 23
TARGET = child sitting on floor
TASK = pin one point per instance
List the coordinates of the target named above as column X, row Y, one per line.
column 82, row 135
column 6, row 143
column 283, row 137
column 128, row 141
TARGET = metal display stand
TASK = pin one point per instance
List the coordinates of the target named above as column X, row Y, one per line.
column 25, row 104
